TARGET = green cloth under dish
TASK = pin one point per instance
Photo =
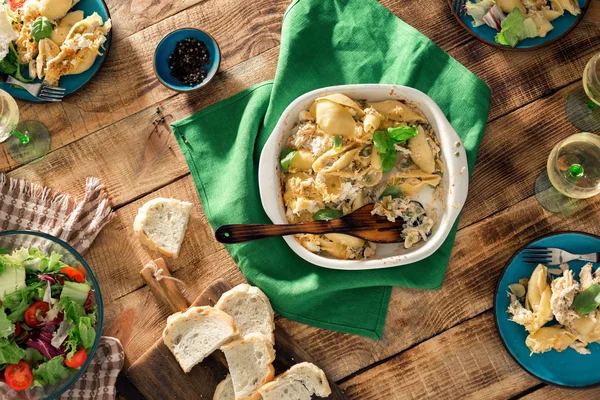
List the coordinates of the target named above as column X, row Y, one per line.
column 324, row 43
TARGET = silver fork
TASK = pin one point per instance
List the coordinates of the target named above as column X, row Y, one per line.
column 458, row 6
column 40, row 90
column 554, row 256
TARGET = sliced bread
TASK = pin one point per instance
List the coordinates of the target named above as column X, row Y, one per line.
column 249, row 359
column 161, row 224
column 193, row 335
column 224, row 390
column 300, row 382
column 250, row 309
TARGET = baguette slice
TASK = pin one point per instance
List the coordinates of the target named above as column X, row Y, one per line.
column 249, row 359
column 193, row 335
column 250, row 309
column 224, row 390
column 300, row 382
column 161, row 224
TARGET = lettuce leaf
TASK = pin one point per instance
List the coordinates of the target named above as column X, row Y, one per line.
column 512, row 29
column 10, row 352
column 87, row 333
column 7, row 328
column 51, row 371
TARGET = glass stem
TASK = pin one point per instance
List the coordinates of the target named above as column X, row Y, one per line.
column 23, row 138
column 592, row 105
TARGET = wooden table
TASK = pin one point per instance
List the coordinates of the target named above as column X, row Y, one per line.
column 436, row 344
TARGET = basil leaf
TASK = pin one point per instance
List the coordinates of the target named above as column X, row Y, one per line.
column 380, row 140
column 337, row 143
column 326, row 214
column 402, row 133
column 393, row 191
column 588, row 300
column 388, row 161
column 286, row 158
column 41, row 29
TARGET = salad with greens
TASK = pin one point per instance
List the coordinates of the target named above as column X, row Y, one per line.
column 47, row 318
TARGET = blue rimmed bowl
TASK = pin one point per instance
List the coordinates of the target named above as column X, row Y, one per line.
column 166, row 47
column 48, row 243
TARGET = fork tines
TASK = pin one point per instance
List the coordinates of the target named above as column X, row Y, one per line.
column 52, row 93
column 458, row 6
column 535, row 255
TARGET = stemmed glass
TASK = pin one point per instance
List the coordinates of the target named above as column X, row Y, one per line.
column 26, row 141
column 573, row 173
column 583, row 104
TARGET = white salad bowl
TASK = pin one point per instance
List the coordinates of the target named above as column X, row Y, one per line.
column 454, row 184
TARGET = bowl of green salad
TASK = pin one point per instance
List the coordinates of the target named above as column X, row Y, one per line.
column 50, row 315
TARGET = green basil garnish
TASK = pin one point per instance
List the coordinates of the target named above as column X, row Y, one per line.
column 286, row 158
column 338, row 143
column 388, row 161
column 380, row 140
column 402, row 133
column 393, row 191
column 588, row 300
column 326, row 214
column 41, row 29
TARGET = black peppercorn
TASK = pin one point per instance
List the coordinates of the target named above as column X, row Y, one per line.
column 187, row 60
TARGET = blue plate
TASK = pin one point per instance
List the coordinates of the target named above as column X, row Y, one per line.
column 562, row 26
column 567, row 368
column 72, row 83
column 167, row 45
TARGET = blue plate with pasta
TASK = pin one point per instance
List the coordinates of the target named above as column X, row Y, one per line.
column 497, row 24
column 568, row 367
column 87, row 65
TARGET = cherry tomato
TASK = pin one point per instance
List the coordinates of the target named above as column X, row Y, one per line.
column 18, row 376
column 15, row 4
column 73, row 274
column 77, row 360
column 31, row 314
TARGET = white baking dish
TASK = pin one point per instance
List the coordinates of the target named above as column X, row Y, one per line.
column 454, row 183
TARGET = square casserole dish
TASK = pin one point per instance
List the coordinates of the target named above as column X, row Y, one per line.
column 444, row 206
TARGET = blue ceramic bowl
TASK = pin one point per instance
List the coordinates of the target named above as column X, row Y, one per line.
column 562, row 26
column 167, row 45
column 49, row 243
column 72, row 83
column 568, row 368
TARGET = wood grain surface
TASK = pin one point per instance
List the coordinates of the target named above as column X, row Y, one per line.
column 436, row 344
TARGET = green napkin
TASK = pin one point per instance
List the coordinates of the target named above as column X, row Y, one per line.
column 324, row 43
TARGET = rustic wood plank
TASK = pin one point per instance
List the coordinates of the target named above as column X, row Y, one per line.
column 553, row 392
column 465, row 362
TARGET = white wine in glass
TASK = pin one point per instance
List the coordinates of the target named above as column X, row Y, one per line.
column 26, row 142
column 573, row 173
column 583, row 104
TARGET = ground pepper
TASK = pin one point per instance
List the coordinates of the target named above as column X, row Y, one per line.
column 187, row 60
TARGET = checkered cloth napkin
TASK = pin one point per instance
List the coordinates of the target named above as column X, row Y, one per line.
column 28, row 206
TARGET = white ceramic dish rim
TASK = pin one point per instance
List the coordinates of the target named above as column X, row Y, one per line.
column 453, row 153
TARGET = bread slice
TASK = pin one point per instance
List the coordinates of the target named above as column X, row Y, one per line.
column 249, row 359
column 300, row 382
column 250, row 309
column 193, row 335
column 161, row 224
column 224, row 390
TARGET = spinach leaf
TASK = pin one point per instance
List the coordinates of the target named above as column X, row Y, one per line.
column 41, row 29
column 402, row 133
column 326, row 214
column 588, row 300
column 286, row 158
column 393, row 191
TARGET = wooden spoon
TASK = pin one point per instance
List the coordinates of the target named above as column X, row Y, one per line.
column 360, row 223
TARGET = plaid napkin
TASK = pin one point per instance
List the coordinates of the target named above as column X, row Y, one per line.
column 29, row 206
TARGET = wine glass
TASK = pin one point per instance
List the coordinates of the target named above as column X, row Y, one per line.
column 26, row 141
column 583, row 104
column 573, row 173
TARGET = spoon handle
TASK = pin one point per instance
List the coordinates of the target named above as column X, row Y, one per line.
column 239, row 233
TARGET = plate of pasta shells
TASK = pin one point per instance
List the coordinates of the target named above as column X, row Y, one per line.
column 547, row 316
column 59, row 42
column 339, row 148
